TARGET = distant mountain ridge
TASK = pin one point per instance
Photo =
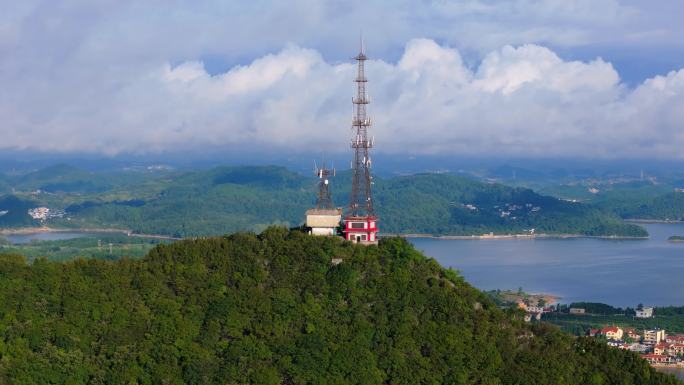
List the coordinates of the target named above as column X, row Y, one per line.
column 229, row 199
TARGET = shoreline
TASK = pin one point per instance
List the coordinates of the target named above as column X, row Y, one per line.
column 514, row 236
column 646, row 221
column 33, row 230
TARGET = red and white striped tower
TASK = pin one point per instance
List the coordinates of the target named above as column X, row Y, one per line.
column 360, row 225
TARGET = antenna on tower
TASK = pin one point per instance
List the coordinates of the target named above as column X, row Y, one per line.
column 361, row 42
column 324, row 200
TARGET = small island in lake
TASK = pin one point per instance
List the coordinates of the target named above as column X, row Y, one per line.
column 676, row 238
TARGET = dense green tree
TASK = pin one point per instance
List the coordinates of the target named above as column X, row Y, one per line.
column 272, row 309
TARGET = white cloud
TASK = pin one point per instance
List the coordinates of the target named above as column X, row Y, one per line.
column 521, row 100
column 119, row 76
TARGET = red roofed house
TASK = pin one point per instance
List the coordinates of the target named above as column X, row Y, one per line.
column 612, row 332
column 675, row 339
column 657, row 359
column 676, row 350
column 661, row 348
column 633, row 334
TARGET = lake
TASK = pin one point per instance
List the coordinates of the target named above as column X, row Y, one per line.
column 616, row 272
column 25, row 238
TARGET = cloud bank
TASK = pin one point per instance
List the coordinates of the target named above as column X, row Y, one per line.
column 519, row 101
column 491, row 77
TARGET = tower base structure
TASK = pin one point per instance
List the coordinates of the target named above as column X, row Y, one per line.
column 361, row 229
column 323, row 221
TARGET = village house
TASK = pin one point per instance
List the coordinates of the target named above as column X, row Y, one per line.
column 639, row 348
column 646, row 312
column 633, row 334
column 577, row 310
column 536, row 309
column 675, row 339
column 658, row 359
column 676, row 350
column 661, row 348
column 612, row 332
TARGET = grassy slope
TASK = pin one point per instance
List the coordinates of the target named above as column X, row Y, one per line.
column 272, row 310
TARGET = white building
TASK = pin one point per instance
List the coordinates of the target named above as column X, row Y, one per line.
column 39, row 213
column 639, row 348
column 535, row 309
column 323, row 221
column 654, row 336
column 646, row 312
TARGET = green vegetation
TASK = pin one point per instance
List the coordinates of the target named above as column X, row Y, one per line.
column 272, row 309
column 597, row 308
column 579, row 324
column 84, row 247
column 629, row 199
column 229, row 199
column 670, row 318
column 676, row 238
column 15, row 212
column 508, row 298
column 667, row 207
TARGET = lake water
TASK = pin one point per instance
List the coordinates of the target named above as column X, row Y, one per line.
column 678, row 372
column 19, row 239
column 617, row 272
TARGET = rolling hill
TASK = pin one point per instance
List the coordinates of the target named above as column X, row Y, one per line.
column 273, row 309
column 229, row 199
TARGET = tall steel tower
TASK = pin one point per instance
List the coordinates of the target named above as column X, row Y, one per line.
column 360, row 223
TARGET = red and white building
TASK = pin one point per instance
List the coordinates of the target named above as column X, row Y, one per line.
column 633, row 334
column 675, row 339
column 612, row 332
column 657, row 359
column 676, row 349
column 661, row 348
column 361, row 229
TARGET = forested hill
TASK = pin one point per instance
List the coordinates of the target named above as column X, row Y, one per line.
column 272, row 309
column 229, row 199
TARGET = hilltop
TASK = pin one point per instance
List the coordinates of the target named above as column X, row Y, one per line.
column 272, row 309
column 229, row 199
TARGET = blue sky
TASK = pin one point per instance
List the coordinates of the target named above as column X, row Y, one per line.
column 542, row 78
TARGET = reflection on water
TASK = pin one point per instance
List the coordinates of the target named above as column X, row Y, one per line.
column 618, row 272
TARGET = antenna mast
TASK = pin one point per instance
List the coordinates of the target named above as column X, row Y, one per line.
column 324, row 201
column 361, row 203
column 360, row 224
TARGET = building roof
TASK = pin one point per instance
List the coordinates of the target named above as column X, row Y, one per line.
column 655, row 356
column 324, row 212
column 610, row 329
